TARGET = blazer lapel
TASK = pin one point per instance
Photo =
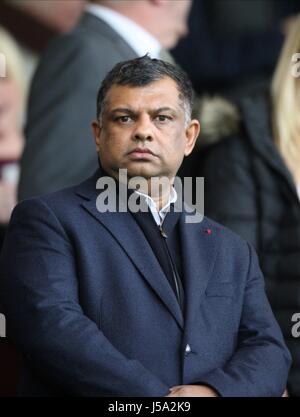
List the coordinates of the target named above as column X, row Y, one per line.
column 130, row 237
column 199, row 252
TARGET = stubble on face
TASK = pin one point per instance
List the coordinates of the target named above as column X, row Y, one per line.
column 150, row 117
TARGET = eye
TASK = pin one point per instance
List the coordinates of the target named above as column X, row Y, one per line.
column 124, row 119
column 162, row 118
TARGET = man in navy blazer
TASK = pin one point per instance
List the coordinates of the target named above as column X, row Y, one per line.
column 103, row 301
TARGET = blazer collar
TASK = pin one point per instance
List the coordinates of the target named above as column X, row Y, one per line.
column 199, row 252
column 128, row 234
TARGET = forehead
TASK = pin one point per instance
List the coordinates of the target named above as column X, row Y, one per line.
column 160, row 93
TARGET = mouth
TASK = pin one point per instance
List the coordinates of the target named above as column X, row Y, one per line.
column 141, row 153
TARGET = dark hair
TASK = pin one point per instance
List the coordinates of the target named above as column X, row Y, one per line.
column 143, row 71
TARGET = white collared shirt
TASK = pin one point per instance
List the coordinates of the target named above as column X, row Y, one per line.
column 141, row 41
column 159, row 215
column 298, row 191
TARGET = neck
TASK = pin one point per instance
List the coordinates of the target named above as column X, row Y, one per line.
column 161, row 201
column 158, row 190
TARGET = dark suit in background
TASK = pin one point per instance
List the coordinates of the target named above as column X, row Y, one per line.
column 233, row 45
column 62, row 105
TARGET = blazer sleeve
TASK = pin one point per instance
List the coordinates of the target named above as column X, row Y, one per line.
column 260, row 364
column 59, row 148
column 40, row 293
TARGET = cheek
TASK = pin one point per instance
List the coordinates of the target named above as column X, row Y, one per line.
column 174, row 147
column 178, row 139
column 112, row 141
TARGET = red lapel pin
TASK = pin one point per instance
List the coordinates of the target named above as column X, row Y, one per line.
column 208, row 231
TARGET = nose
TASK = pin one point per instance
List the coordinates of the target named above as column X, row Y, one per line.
column 143, row 130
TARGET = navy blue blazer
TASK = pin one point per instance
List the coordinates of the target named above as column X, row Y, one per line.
column 88, row 304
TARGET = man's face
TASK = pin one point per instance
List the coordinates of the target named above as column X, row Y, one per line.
column 143, row 130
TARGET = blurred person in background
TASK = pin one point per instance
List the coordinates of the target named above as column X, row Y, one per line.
column 59, row 15
column 252, row 182
column 62, row 97
column 12, row 93
column 233, row 45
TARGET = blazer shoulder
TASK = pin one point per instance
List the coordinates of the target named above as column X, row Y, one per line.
column 51, row 201
column 82, row 49
column 92, row 35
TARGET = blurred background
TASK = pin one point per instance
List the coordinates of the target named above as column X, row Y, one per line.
column 231, row 50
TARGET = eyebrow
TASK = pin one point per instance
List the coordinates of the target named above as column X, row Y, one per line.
column 130, row 111
column 122, row 110
column 160, row 109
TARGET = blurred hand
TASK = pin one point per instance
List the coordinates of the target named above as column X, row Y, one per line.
column 192, row 391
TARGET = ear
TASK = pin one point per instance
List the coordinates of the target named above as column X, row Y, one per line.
column 96, row 128
column 191, row 134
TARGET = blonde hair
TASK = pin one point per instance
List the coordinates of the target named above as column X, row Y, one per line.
column 285, row 94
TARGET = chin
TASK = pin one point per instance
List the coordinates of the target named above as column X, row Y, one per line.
column 142, row 171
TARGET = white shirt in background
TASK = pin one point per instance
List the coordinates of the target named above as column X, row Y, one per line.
column 141, row 41
column 298, row 191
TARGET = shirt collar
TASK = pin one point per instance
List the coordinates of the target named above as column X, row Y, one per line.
column 159, row 215
column 141, row 41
